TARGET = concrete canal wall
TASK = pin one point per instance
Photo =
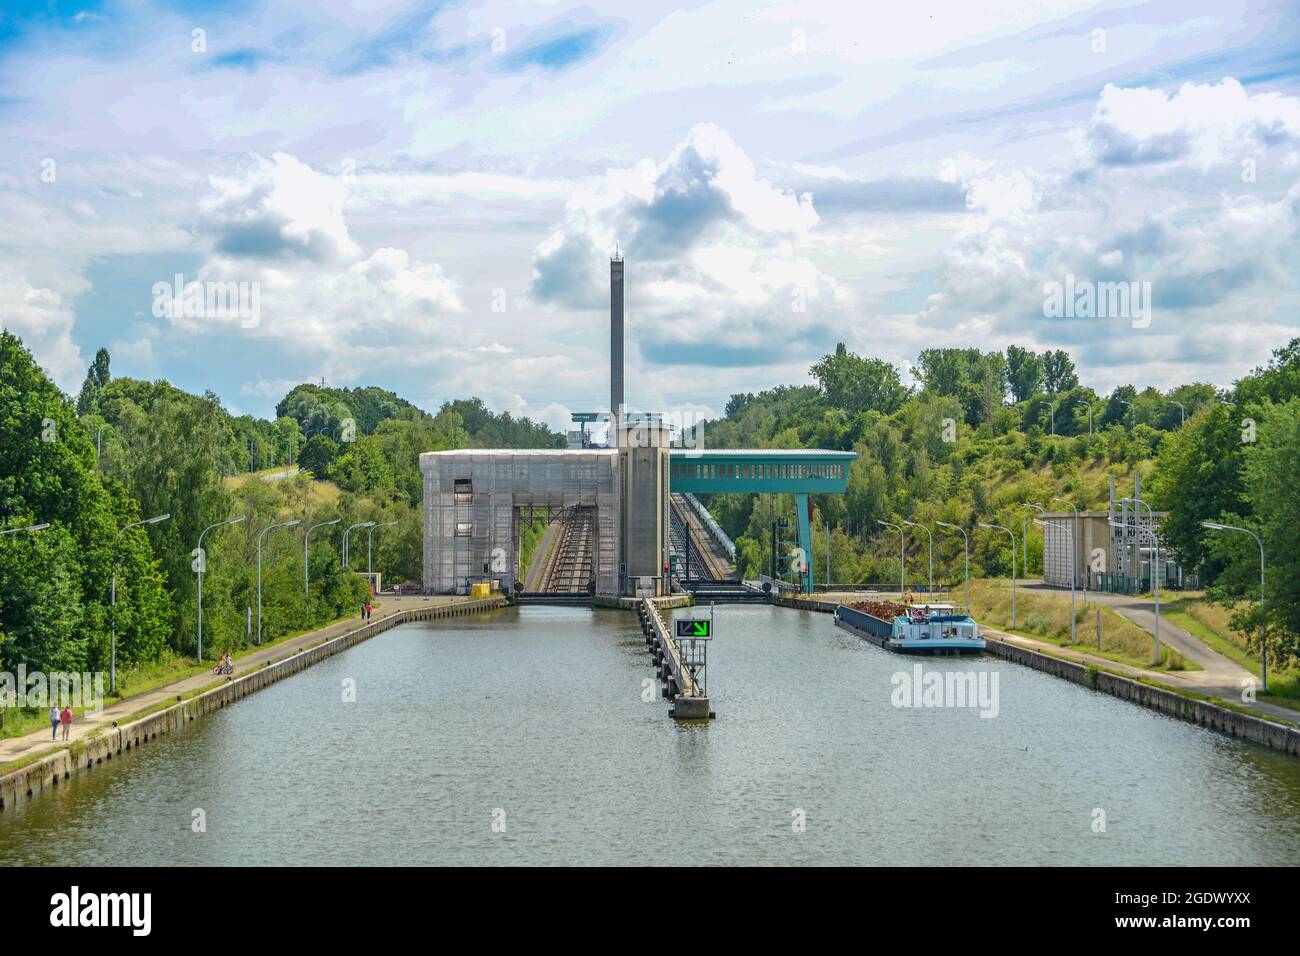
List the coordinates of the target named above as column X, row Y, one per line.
column 84, row 755
column 1233, row 723
column 1258, row 730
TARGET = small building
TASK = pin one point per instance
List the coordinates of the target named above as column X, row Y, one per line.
column 1114, row 550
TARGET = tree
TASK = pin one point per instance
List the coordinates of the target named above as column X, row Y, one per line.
column 97, row 376
column 318, row 454
column 946, row 371
column 851, row 382
column 1119, row 407
column 989, row 381
column 1198, row 477
column 54, row 609
column 99, row 369
column 1278, row 382
column 978, row 380
column 1058, row 372
column 167, row 461
column 1024, row 373
column 87, row 399
column 737, row 403
column 1272, row 489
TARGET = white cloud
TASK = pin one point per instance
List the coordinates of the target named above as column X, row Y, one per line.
column 1200, row 123
column 280, row 208
column 715, row 254
column 44, row 322
column 280, row 227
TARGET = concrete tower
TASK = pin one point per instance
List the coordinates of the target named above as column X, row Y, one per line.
column 615, row 338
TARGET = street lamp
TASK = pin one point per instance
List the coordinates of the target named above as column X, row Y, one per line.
column 112, row 661
column 1182, row 413
column 913, row 524
column 201, row 565
column 1052, row 406
column 347, row 562
column 1263, row 648
column 1088, row 405
column 306, row 584
column 369, row 540
column 282, row 524
column 98, row 434
column 1130, row 405
column 998, row 527
column 902, row 561
column 965, row 550
column 1075, row 532
column 30, row 527
column 1072, row 612
column 1024, row 530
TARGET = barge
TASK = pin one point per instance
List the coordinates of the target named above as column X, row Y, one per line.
column 911, row 628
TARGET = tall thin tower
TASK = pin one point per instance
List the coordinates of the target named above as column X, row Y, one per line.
column 616, row 335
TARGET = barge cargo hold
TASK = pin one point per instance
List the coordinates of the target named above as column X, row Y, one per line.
column 913, row 630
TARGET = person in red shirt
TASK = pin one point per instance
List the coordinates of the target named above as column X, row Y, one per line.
column 66, row 718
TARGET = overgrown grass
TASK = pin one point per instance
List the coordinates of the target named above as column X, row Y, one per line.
column 530, row 536
column 1048, row 618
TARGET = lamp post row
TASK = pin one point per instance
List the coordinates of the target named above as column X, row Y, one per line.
column 200, row 566
column 1211, row 525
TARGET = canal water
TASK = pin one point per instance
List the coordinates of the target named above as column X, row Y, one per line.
column 525, row 736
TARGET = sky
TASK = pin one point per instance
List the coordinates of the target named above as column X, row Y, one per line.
column 425, row 196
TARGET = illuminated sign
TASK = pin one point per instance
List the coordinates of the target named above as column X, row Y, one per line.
column 697, row 629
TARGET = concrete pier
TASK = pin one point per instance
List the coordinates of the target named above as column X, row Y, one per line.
column 689, row 701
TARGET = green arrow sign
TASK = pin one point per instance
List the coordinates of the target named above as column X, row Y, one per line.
column 688, row 628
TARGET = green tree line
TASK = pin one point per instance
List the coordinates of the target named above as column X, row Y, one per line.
column 983, row 436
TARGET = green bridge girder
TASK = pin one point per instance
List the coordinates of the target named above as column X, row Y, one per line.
column 800, row 472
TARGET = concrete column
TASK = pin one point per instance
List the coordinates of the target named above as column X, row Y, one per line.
column 803, row 509
column 616, row 338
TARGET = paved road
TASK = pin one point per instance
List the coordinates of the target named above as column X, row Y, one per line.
column 15, row 748
column 1219, row 675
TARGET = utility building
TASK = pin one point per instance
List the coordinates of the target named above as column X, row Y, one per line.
column 1114, row 550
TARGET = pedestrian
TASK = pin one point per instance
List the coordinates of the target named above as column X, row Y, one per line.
column 363, row 612
column 66, row 717
column 54, row 721
column 369, row 610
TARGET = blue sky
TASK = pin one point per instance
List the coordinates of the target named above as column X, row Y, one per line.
column 425, row 195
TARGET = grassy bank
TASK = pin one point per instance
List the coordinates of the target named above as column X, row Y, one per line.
column 1209, row 623
column 1047, row 618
